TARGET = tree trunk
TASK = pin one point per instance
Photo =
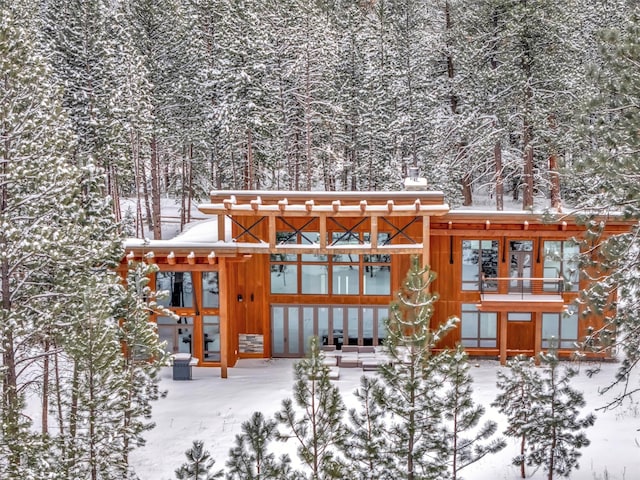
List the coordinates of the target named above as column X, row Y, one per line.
column 527, row 193
column 45, row 389
column 467, row 196
column 155, row 190
column 497, row 156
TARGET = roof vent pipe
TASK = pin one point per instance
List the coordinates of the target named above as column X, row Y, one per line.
column 413, row 173
column 414, row 181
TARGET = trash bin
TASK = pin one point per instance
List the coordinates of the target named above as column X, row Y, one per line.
column 182, row 366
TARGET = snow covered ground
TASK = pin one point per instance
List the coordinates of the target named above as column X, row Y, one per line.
column 212, row 409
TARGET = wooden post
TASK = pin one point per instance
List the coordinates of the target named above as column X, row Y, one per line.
column 537, row 346
column 323, row 232
column 426, row 240
column 503, row 337
column 223, row 286
column 272, row 234
column 374, row 233
column 221, row 234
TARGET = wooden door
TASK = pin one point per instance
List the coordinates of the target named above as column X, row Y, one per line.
column 520, row 333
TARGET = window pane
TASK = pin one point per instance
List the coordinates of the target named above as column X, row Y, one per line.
column 367, row 325
column 294, row 329
column 211, row 339
column 166, row 334
column 338, row 323
column 210, row 290
column 376, row 280
column 346, row 280
column 323, row 325
column 179, row 286
column 550, row 325
column 470, row 262
column 277, row 322
column 351, row 330
column 479, row 258
column 488, row 324
column 383, row 315
column 519, row 316
column 311, row 238
column 315, row 279
column 569, row 327
column 284, row 239
column 469, row 325
column 284, row 278
column 307, row 326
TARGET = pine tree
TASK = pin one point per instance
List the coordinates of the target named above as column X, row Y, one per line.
column 520, row 389
column 606, row 184
column 250, row 459
column 198, row 465
column 556, row 433
column 317, row 429
column 411, row 385
column 467, row 444
column 366, row 448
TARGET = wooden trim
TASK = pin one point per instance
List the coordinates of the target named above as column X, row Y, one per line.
column 503, row 337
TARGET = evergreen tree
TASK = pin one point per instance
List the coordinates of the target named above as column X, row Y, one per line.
column 317, row 428
column 556, row 433
column 467, row 443
column 606, row 184
column 250, row 459
column 366, row 448
column 520, row 389
column 411, row 385
column 198, row 465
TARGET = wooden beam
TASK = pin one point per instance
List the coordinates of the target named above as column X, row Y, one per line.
column 223, row 288
column 363, row 206
column 335, row 205
column 211, row 258
column 191, row 258
column 221, row 232
column 537, row 345
column 426, row 240
column 390, row 205
column 171, row 258
column 309, row 204
column 272, row 233
column 282, row 205
column 323, row 232
column 503, row 337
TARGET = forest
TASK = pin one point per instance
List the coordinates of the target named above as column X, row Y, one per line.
column 176, row 98
column 107, row 100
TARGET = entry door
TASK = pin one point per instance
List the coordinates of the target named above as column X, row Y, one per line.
column 520, row 333
column 520, row 255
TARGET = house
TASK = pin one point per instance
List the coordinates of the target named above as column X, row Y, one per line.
column 274, row 268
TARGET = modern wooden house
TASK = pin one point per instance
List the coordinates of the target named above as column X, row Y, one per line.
column 275, row 268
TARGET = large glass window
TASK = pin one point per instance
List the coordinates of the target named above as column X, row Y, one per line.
column 478, row 329
column 561, row 261
column 210, row 290
column 479, row 260
column 520, row 260
column 561, row 327
column 177, row 334
column 336, row 274
column 211, row 338
column 179, row 286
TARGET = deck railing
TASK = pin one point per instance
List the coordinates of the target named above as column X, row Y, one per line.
column 523, row 287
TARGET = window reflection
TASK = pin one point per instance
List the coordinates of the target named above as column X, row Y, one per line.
column 177, row 334
column 179, row 286
column 210, row 290
column 211, row 338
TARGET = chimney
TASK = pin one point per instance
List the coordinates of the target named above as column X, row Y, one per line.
column 414, row 181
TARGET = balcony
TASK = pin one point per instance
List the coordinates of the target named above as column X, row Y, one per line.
column 521, row 294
